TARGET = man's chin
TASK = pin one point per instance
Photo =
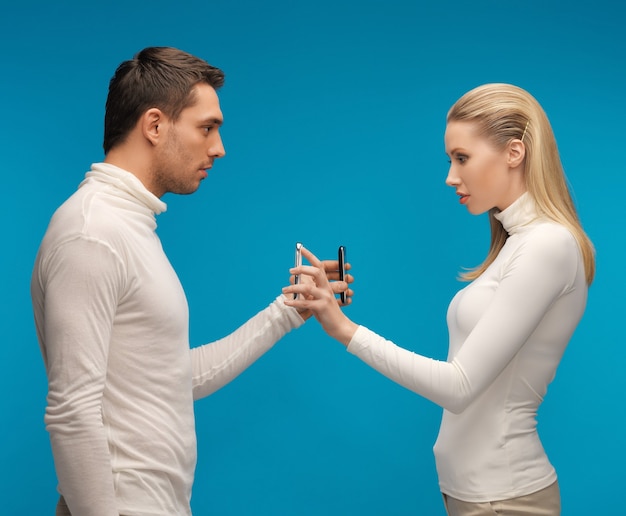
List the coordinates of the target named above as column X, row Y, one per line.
column 186, row 190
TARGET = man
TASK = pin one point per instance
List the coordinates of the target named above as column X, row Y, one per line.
column 111, row 315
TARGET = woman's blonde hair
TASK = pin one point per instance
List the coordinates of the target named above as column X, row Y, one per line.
column 501, row 113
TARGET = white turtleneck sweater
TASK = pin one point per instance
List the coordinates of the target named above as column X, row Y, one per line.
column 508, row 330
column 112, row 322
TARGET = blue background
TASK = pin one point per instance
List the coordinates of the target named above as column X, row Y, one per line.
column 335, row 113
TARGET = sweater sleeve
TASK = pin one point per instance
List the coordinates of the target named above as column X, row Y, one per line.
column 217, row 363
column 81, row 280
column 538, row 273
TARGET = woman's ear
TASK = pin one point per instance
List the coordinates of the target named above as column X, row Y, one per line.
column 152, row 125
column 516, row 153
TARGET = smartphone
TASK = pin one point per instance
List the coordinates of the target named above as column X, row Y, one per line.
column 298, row 263
column 341, row 255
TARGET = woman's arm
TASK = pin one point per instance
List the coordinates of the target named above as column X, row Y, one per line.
column 542, row 270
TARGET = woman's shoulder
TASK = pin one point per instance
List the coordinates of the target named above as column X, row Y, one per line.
column 550, row 241
column 550, row 230
column 546, row 229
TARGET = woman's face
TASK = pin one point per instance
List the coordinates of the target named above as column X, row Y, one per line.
column 484, row 177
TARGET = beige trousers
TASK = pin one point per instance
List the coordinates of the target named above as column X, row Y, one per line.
column 546, row 502
column 62, row 509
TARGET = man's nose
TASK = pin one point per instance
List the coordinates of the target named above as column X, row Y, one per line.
column 216, row 149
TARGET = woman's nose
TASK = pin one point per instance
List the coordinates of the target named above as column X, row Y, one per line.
column 452, row 179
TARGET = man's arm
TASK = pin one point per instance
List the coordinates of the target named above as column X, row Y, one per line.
column 217, row 363
column 75, row 292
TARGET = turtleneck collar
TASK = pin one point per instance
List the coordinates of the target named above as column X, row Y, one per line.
column 521, row 213
column 126, row 182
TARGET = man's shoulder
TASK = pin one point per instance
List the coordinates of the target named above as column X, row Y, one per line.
column 87, row 213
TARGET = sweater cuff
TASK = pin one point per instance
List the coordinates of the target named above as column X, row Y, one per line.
column 292, row 315
column 359, row 340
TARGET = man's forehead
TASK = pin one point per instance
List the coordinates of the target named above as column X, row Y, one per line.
column 206, row 105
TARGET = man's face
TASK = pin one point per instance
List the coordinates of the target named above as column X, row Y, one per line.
column 191, row 145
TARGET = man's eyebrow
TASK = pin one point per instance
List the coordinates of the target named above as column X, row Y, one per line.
column 213, row 121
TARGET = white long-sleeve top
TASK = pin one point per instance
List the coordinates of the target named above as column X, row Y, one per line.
column 112, row 323
column 508, row 330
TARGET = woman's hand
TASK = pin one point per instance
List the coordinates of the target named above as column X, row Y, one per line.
column 316, row 295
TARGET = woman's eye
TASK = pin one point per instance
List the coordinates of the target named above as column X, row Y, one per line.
column 461, row 158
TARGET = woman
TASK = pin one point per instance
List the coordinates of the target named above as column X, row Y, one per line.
column 509, row 327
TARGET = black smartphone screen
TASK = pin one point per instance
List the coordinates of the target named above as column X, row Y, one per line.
column 341, row 255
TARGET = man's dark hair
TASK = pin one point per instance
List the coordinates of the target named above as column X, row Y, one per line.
column 157, row 77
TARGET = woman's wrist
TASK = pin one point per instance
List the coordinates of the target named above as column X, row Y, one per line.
column 345, row 331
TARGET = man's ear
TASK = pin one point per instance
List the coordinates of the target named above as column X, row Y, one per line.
column 516, row 153
column 152, row 125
